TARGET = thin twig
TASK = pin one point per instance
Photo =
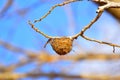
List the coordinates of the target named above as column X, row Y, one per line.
column 101, row 42
column 94, row 40
column 88, row 26
column 37, row 30
column 53, row 7
column 81, row 33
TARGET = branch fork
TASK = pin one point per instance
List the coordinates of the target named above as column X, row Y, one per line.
column 63, row 45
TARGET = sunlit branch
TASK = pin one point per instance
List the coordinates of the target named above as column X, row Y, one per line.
column 37, row 30
column 53, row 7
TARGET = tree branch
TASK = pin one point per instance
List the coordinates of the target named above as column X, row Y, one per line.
column 53, row 7
column 100, row 10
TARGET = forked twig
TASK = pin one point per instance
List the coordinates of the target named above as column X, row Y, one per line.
column 88, row 26
column 100, row 11
column 44, row 16
column 53, row 7
column 81, row 33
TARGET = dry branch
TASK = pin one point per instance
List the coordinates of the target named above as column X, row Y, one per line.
column 7, row 5
column 37, row 30
column 53, row 7
column 7, row 72
column 108, row 4
column 45, row 57
column 114, row 11
column 14, row 76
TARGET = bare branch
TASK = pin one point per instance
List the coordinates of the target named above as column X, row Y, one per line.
column 114, row 11
column 53, row 7
column 37, row 30
column 6, row 7
column 109, row 5
column 81, row 33
column 101, row 1
column 99, row 11
column 11, row 48
column 88, row 26
column 14, row 76
column 101, row 42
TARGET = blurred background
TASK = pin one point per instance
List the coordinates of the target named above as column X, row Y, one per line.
column 23, row 57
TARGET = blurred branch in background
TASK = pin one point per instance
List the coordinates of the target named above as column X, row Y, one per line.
column 31, row 56
column 34, row 75
column 108, row 4
column 55, row 63
column 44, row 56
column 7, row 5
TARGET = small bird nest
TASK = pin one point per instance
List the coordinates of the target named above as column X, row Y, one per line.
column 61, row 45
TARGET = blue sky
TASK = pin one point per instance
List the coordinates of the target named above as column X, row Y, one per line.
column 15, row 29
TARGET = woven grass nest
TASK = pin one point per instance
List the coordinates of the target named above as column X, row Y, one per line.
column 61, row 45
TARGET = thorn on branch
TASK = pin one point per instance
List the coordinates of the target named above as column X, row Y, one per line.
column 113, row 49
column 47, row 42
